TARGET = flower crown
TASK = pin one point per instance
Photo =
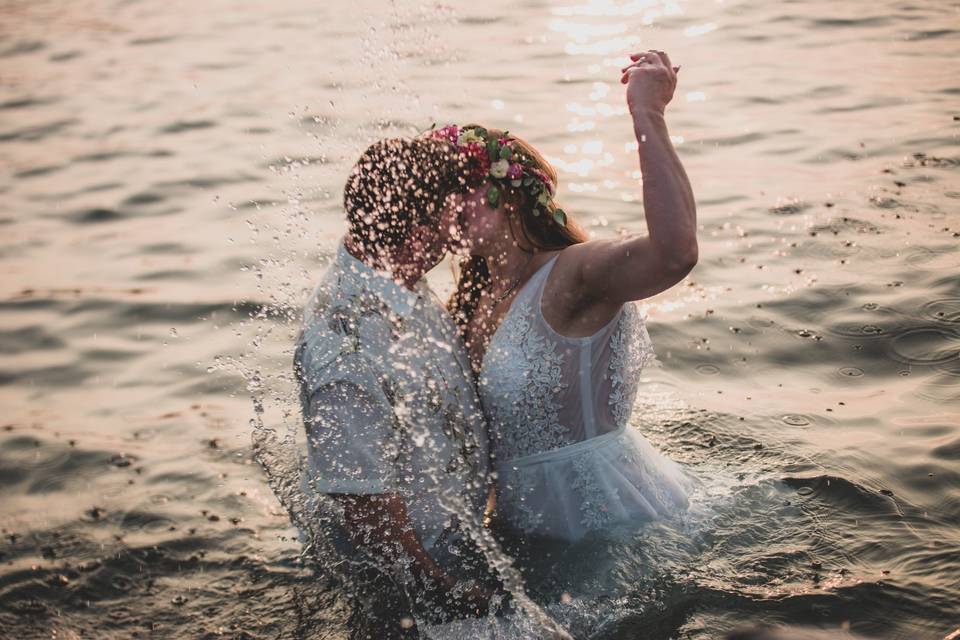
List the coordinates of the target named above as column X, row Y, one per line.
column 497, row 160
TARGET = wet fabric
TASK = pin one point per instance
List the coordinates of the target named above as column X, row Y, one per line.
column 388, row 400
column 567, row 461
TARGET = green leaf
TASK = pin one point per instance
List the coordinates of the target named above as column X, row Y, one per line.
column 480, row 131
column 493, row 196
column 506, row 153
column 515, row 183
column 527, row 181
column 493, row 150
column 560, row 216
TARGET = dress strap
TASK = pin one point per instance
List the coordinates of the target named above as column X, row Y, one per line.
column 543, row 273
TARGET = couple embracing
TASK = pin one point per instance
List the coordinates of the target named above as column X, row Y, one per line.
column 429, row 425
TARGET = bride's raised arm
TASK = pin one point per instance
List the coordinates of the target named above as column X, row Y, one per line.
column 616, row 271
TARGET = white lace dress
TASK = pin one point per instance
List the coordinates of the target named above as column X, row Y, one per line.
column 567, row 462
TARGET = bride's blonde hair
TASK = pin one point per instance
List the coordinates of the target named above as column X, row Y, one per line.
column 533, row 229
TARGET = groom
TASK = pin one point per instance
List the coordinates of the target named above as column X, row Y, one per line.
column 396, row 439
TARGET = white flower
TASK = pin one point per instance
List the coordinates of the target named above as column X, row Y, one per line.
column 499, row 168
column 467, row 137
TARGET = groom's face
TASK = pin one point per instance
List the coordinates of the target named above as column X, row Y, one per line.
column 429, row 244
column 424, row 248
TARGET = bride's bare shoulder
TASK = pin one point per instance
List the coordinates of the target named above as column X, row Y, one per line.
column 577, row 259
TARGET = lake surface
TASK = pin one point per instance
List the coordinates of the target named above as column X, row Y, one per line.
column 171, row 191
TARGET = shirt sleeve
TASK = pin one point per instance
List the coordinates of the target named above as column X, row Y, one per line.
column 351, row 441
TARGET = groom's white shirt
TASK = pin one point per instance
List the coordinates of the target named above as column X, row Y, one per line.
column 388, row 399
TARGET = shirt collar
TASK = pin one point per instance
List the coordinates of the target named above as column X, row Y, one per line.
column 397, row 297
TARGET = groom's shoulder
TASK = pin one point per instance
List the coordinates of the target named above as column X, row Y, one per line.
column 346, row 339
column 326, row 357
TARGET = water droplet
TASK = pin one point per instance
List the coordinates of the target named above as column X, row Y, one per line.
column 58, row 580
column 926, row 346
column 852, row 372
column 795, row 420
column 945, row 310
column 31, row 606
column 121, row 583
column 805, row 491
column 707, row 369
column 173, row 332
column 90, row 565
column 121, row 460
column 871, row 328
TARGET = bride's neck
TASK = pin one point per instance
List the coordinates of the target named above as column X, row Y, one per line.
column 506, row 264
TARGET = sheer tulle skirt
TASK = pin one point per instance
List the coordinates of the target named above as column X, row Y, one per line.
column 604, row 482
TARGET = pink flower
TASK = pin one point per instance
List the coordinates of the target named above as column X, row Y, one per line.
column 450, row 133
column 477, row 160
column 515, row 172
column 544, row 179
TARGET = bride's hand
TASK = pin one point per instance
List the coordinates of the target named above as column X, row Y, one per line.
column 651, row 80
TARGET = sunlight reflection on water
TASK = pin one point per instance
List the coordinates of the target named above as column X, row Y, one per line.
column 174, row 193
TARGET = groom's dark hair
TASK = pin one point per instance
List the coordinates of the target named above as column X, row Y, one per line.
column 396, row 184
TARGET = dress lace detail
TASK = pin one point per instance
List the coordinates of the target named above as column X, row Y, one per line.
column 518, row 498
column 558, row 407
column 594, row 513
column 654, row 480
column 631, row 351
column 539, row 368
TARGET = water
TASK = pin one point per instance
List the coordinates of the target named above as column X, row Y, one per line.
column 171, row 191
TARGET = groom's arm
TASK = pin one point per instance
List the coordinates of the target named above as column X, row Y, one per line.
column 351, row 455
column 379, row 524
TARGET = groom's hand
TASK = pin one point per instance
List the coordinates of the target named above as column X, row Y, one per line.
column 472, row 600
column 651, row 80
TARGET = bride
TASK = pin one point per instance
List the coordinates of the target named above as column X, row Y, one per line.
column 555, row 338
